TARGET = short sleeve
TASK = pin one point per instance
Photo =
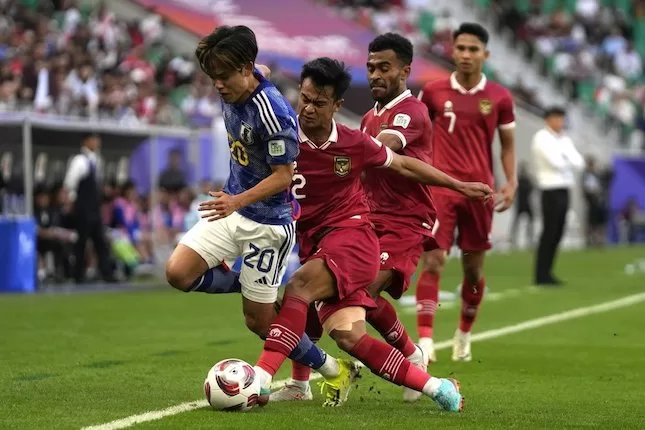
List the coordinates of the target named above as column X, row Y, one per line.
column 282, row 146
column 376, row 154
column 407, row 125
column 506, row 117
column 278, row 129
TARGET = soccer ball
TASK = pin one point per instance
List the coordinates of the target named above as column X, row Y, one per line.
column 231, row 385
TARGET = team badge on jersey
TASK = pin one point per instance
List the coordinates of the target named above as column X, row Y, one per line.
column 485, row 106
column 342, row 166
column 246, row 133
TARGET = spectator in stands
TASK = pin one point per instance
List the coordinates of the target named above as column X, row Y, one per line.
column 165, row 113
column 82, row 183
column 173, row 178
column 52, row 238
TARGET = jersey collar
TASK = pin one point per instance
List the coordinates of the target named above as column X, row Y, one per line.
column 404, row 95
column 477, row 88
column 333, row 137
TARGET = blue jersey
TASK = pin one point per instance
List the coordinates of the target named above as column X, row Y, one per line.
column 262, row 132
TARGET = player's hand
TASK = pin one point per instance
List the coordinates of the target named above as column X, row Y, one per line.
column 266, row 72
column 220, row 207
column 475, row 190
column 505, row 197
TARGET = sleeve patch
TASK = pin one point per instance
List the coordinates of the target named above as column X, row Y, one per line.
column 277, row 148
column 401, row 120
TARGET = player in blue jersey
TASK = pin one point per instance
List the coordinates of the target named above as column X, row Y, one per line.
column 254, row 217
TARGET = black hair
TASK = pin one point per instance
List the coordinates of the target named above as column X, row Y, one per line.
column 554, row 111
column 474, row 29
column 401, row 46
column 326, row 71
column 232, row 46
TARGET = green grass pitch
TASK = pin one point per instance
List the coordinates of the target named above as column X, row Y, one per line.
column 69, row 361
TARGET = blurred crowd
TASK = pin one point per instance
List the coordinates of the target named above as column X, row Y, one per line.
column 140, row 229
column 429, row 30
column 593, row 48
column 63, row 57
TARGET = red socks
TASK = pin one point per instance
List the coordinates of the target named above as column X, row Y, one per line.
column 389, row 363
column 471, row 297
column 284, row 333
column 300, row 372
column 385, row 320
column 427, row 299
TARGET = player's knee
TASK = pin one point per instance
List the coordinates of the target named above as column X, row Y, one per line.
column 346, row 339
column 434, row 262
column 257, row 324
column 177, row 276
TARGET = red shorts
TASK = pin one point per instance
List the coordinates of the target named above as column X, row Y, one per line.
column 352, row 255
column 473, row 219
column 401, row 247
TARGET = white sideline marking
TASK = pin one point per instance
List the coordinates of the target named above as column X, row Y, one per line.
column 489, row 334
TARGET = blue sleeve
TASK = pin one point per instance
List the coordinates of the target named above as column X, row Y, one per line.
column 282, row 147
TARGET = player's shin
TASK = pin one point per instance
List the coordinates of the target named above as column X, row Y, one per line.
column 285, row 333
column 218, row 280
column 471, row 297
column 385, row 320
column 427, row 295
column 389, row 363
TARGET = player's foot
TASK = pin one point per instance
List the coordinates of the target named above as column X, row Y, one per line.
column 427, row 344
column 420, row 360
column 448, row 396
column 291, row 392
column 336, row 390
column 461, row 346
column 265, row 385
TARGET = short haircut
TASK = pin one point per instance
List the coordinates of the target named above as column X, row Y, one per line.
column 474, row 29
column 233, row 47
column 401, row 46
column 326, row 71
column 554, row 111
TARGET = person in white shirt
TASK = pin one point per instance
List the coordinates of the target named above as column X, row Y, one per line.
column 556, row 162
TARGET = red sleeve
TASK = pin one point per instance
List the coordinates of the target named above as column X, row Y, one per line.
column 376, row 154
column 406, row 123
column 506, row 117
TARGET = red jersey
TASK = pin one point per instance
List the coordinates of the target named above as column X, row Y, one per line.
column 465, row 122
column 390, row 193
column 327, row 179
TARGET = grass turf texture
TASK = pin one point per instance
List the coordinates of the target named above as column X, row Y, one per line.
column 68, row 361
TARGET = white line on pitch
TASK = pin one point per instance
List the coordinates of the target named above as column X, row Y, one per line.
column 489, row 334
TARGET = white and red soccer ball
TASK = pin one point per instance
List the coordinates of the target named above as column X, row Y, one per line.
column 231, row 385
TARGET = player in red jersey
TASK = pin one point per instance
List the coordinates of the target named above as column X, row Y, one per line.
column 338, row 247
column 466, row 110
column 402, row 211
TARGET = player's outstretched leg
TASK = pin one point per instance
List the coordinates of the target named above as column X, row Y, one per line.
column 311, row 282
column 347, row 327
column 187, row 271
column 385, row 320
column 472, row 293
column 427, row 295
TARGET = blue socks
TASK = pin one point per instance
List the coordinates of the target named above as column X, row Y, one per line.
column 307, row 353
column 218, row 281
